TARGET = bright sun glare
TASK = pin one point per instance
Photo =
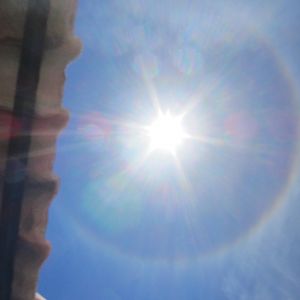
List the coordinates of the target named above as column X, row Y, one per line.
column 166, row 133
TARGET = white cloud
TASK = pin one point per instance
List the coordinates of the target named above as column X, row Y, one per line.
column 266, row 267
column 39, row 297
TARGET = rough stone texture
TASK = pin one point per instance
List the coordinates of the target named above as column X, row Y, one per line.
column 41, row 183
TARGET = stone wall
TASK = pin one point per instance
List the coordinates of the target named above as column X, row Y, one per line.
column 50, row 118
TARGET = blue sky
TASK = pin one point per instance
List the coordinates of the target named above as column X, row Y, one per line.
column 219, row 218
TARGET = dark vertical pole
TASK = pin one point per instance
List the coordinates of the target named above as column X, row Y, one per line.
column 18, row 148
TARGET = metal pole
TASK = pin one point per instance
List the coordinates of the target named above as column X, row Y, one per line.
column 18, row 147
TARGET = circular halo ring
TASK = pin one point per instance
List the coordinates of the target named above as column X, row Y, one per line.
column 111, row 249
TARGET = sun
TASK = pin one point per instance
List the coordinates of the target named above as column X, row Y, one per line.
column 166, row 133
